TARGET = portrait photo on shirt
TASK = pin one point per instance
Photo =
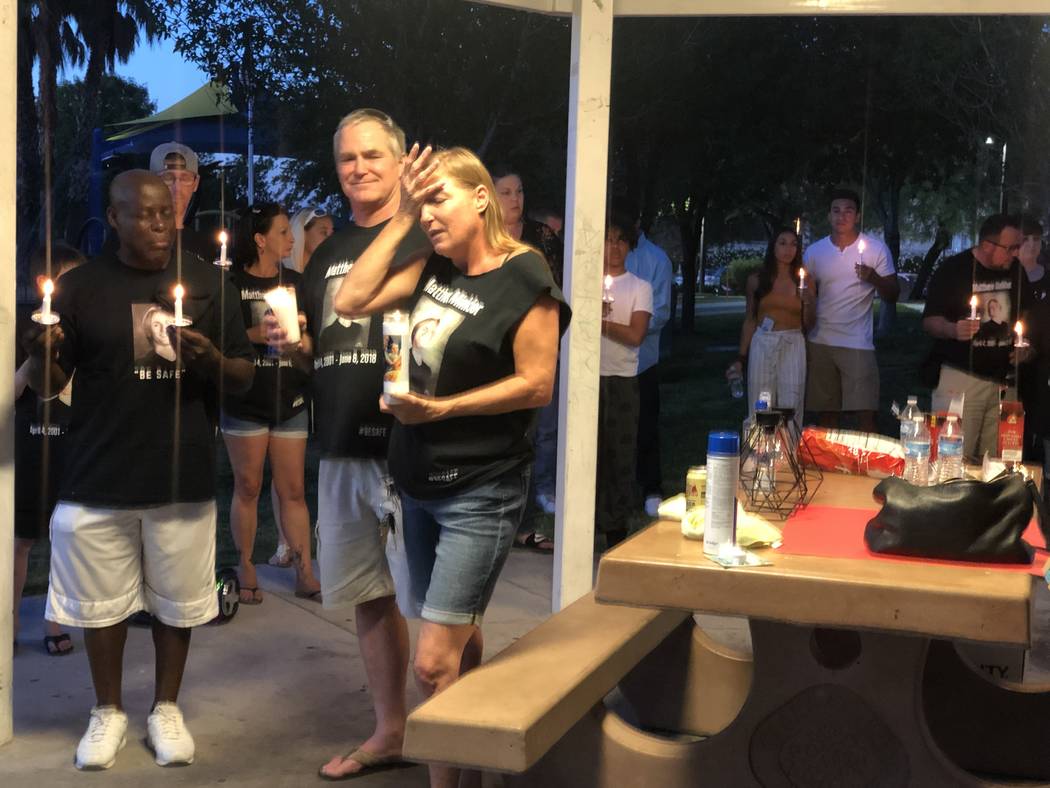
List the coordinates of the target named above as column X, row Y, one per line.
column 149, row 325
column 432, row 325
column 993, row 309
column 340, row 333
column 258, row 312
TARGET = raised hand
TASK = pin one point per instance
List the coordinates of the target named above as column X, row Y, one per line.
column 417, row 180
column 42, row 342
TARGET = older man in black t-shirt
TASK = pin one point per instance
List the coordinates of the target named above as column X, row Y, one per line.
column 356, row 502
column 135, row 525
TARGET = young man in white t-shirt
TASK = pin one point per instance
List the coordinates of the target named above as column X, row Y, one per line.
column 847, row 269
column 627, row 306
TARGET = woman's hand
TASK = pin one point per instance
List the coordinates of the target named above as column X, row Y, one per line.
column 276, row 337
column 412, row 409
column 735, row 370
column 417, row 181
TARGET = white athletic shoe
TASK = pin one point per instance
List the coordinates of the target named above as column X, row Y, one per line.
column 167, row 736
column 652, row 505
column 546, row 503
column 106, row 736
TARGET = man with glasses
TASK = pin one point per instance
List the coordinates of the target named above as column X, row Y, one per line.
column 177, row 165
column 982, row 284
column 847, row 268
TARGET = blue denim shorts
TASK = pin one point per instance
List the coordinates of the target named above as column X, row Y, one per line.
column 456, row 546
column 298, row 426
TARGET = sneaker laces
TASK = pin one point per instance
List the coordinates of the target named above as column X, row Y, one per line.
column 98, row 726
column 169, row 719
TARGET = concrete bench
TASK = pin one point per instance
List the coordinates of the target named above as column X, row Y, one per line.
column 535, row 712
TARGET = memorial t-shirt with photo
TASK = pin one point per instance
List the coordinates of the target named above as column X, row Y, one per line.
column 1002, row 295
column 348, row 358
column 279, row 389
column 461, row 337
column 142, row 429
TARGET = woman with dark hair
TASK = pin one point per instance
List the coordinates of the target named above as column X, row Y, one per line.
column 271, row 419
column 779, row 310
column 510, row 193
column 460, row 456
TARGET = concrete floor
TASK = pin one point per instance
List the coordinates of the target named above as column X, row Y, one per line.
column 275, row 692
column 269, row 697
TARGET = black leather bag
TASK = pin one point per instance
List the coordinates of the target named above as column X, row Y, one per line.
column 960, row 520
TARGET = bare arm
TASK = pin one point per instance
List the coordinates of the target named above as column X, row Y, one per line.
column 632, row 334
column 535, row 347
column 373, row 285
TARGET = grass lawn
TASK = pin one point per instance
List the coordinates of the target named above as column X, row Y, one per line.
column 694, row 400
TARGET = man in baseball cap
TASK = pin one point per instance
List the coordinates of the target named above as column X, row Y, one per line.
column 177, row 166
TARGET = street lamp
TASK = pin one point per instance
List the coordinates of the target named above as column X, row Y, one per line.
column 1002, row 175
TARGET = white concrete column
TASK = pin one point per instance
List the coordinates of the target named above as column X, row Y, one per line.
column 8, row 115
column 590, row 74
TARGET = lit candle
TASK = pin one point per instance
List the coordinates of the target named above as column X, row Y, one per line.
column 45, row 307
column 973, row 307
column 801, row 278
column 223, row 238
column 861, row 247
column 282, row 301
column 179, row 293
column 798, row 226
column 1019, row 330
column 607, row 289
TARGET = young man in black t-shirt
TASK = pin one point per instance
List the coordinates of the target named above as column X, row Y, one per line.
column 976, row 356
column 361, row 563
column 134, row 528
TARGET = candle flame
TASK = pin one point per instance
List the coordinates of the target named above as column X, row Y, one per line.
column 973, row 300
column 1019, row 328
column 862, row 246
column 801, row 274
column 608, row 281
column 223, row 237
column 179, row 291
column 49, row 287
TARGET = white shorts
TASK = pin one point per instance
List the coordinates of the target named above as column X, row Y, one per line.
column 360, row 543
column 107, row 564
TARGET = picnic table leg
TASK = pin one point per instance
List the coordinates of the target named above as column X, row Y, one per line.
column 1010, row 723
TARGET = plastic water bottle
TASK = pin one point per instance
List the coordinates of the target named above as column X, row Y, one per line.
column 950, row 449
column 908, row 418
column 917, row 452
column 736, row 383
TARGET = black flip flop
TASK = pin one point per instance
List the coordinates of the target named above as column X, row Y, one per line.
column 535, row 541
column 52, row 645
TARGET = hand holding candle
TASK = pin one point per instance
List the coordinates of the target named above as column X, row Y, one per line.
column 282, row 301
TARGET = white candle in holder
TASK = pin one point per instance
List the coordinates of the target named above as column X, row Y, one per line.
column 396, row 341
column 607, row 283
column 801, row 278
column 44, row 316
column 282, row 301
column 45, row 307
column 179, row 293
column 1019, row 330
column 223, row 238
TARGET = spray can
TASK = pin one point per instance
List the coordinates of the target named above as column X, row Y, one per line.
column 723, row 477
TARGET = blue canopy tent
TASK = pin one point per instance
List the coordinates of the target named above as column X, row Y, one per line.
column 206, row 121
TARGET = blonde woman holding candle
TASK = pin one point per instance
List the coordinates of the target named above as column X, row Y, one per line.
column 781, row 305
column 271, row 420
column 460, row 457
